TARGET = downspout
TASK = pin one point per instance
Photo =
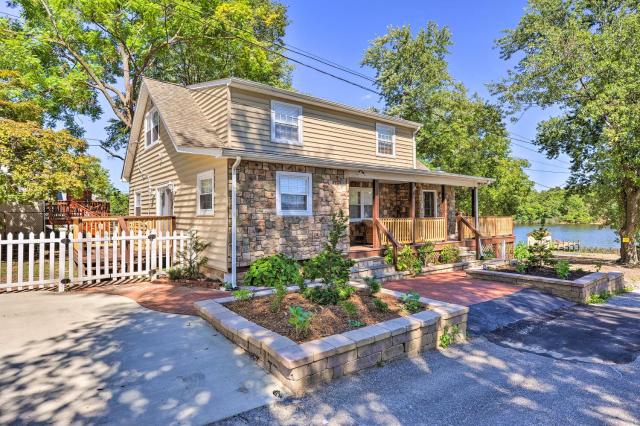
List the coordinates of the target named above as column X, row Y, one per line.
column 234, row 242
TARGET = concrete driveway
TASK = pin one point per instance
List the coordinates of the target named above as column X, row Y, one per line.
column 497, row 379
column 97, row 358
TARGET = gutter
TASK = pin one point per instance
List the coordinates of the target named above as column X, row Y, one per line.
column 234, row 242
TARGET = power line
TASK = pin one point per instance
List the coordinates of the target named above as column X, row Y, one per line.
column 546, row 171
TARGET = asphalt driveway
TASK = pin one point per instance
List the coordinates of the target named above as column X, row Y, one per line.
column 84, row 358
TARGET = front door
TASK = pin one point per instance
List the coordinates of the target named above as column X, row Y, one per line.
column 164, row 202
column 429, row 198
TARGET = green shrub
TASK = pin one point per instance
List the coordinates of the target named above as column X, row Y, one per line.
column 540, row 252
column 300, row 320
column 380, row 305
column 322, row 295
column 411, row 301
column 278, row 296
column 349, row 308
column 175, row 273
column 408, row 260
column 388, row 255
column 271, row 270
column 373, row 284
column 243, row 294
column 521, row 267
column 449, row 336
column 427, row 254
column 562, row 269
column 355, row 323
column 521, row 251
column 191, row 259
column 450, row 254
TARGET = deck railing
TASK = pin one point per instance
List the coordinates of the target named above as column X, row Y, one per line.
column 118, row 224
column 490, row 226
column 426, row 229
column 62, row 212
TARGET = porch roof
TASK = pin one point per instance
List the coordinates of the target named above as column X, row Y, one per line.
column 364, row 171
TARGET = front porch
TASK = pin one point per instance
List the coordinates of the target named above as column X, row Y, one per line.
column 391, row 214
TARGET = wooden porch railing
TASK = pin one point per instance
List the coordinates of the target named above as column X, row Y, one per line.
column 489, row 226
column 465, row 226
column 426, row 229
column 386, row 237
column 118, row 224
column 62, row 212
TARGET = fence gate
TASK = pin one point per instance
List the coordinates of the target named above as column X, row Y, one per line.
column 41, row 261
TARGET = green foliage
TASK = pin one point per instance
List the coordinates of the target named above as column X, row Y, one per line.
column 355, row 323
column 373, row 284
column 73, row 53
column 557, row 204
column 450, row 253
column 562, row 269
column 278, row 295
column 521, row 251
column 300, row 320
column 272, row 270
column 330, row 266
column 580, row 58
column 427, row 254
column 191, row 259
column 243, row 294
column 175, row 274
column 388, row 255
column 411, row 301
column 408, row 260
column 380, row 305
column 348, row 307
column 522, row 267
column 461, row 132
column 539, row 252
column 449, row 336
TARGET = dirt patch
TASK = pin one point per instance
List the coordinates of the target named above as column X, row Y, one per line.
column 204, row 283
column 326, row 320
column 545, row 272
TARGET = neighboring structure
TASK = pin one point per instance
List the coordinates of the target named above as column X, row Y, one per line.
column 22, row 217
column 285, row 162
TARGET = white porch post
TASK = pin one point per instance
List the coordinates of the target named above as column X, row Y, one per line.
column 234, row 209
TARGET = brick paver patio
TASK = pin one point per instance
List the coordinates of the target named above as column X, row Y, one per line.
column 454, row 287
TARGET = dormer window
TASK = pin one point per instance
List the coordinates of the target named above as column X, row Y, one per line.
column 385, row 140
column 152, row 127
column 286, row 123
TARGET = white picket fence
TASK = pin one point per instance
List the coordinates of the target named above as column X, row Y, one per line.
column 40, row 262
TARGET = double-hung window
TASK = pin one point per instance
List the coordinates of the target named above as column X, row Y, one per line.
column 360, row 204
column 385, row 140
column 293, row 194
column 286, row 123
column 151, row 127
column 430, row 203
column 205, row 193
column 137, row 203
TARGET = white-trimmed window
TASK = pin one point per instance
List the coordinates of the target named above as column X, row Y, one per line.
column 286, row 123
column 205, row 193
column 137, row 203
column 385, row 140
column 360, row 204
column 293, row 194
column 151, row 127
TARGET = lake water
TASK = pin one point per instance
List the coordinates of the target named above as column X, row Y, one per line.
column 587, row 235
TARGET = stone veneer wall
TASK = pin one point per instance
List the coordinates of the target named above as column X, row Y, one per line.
column 261, row 232
column 395, row 200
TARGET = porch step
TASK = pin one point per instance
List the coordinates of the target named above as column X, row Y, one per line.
column 374, row 266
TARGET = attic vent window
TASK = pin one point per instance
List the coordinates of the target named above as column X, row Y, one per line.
column 152, row 127
column 286, row 123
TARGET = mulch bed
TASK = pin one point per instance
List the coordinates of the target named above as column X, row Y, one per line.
column 204, row 283
column 544, row 272
column 326, row 320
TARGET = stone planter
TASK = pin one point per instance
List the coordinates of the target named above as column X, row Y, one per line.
column 577, row 291
column 302, row 366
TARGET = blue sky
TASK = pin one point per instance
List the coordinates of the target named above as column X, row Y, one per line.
column 341, row 31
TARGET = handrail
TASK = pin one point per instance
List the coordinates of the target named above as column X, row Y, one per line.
column 478, row 235
column 396, row 245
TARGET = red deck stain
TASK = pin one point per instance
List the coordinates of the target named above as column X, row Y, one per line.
column 454, row 287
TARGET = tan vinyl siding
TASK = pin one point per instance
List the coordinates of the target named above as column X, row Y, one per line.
column 161, row 165
column 213, row 102
column 327, row 134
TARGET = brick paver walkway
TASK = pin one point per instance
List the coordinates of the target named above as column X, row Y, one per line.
column 454, row 287
column 161, row 297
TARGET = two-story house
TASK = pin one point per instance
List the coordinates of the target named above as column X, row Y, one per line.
column 258, row 170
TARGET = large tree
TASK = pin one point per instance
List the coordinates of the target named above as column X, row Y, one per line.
column 461, row 133
column 74, row 52
column 582, row 56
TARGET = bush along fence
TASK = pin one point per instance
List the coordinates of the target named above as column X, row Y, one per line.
column 41, row 261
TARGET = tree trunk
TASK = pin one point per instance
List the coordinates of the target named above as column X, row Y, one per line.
column 628, row 250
